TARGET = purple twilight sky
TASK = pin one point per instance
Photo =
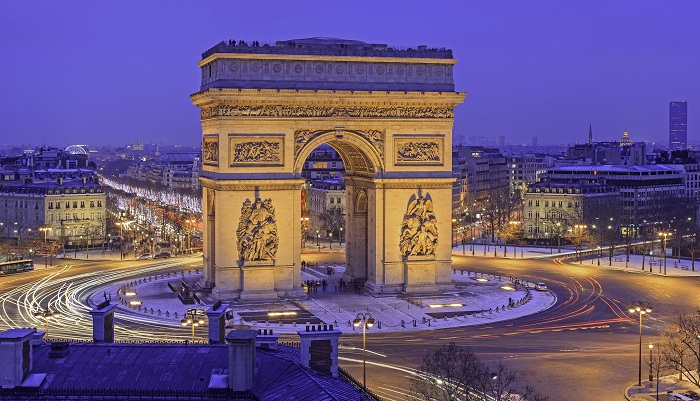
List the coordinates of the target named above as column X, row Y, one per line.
column 111, row 72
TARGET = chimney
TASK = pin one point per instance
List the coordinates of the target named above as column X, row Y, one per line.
column 217, row 323
column 266, row 339
column 241, row 359
column 15, row 356
column 319, row 348
column 103, row 322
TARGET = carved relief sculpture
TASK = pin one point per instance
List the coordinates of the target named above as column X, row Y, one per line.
column 225, row 110
column 418, row 151
column 210, row 151
column 257, row 152
column 374, row 137
column 419, row 228
column 257, row 231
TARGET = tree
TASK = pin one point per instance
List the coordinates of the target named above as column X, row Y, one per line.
column 333, row 219
column 456, row 373
column 681, row 345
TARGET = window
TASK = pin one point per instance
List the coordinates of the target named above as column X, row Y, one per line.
column 546, row 203
column 92, row 203
column 560, row 203
column 537, row 203
column 529, row 214
column 529, row 203
column 332, row 199
column 75, row 204
column 50, row 205
column 82, row 204
column 569, row 204
column 99, row 203
column 67, row 205
column 58, row 205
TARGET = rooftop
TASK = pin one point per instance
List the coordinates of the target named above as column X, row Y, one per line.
column 327, row 47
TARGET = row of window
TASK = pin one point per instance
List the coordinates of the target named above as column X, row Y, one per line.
column 554, row 203
column 75, row 204
column 56, row 217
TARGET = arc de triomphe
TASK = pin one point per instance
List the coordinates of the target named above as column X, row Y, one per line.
column 388, row 112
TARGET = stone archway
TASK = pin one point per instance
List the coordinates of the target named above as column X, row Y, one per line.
column 388, row 114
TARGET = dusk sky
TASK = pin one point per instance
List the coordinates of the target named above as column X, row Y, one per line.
column 98, row 72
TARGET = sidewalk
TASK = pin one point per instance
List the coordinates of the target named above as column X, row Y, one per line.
column 665, row 385
column 619, row 261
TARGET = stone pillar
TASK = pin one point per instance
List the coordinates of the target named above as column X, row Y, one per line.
column 319, row 349
column 15, row 356
column 217, row 323
column 241, row 359
column 103, row 323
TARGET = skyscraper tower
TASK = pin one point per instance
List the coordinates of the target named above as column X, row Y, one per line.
column 678, row 126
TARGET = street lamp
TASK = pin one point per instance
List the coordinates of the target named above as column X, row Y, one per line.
column 367, row 321
column 453, row 233
column 330, row 240
column 340, row 240
column 189, row 233
column 318, row 239
column 194, row 318
column 45, row 229
column 665, row 235
column 46, row 314
column 651, row 363
column 642, row 308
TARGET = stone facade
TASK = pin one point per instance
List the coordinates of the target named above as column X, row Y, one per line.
column 392, row 143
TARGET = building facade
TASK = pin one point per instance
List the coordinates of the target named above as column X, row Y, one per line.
column 552, row 209
column 478, row 173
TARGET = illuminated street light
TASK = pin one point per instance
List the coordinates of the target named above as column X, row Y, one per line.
column 46, row 314
column 45, row 229
column 194, row 318
column 366, row 320
column 642, row 308
column 665, row 235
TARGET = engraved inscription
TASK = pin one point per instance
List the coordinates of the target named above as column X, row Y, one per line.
column 418, row 151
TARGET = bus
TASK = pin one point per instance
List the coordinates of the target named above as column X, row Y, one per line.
column 16, row 266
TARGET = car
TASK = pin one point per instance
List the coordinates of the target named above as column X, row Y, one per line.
column 692, row 394
column 144, row 256
column 541, row 286
column 162, row 255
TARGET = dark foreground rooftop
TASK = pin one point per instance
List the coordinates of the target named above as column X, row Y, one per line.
column 173, row 371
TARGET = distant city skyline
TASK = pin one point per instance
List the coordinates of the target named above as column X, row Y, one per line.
column 116, row 73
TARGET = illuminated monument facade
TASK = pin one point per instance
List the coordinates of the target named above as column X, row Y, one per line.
column 389, row 114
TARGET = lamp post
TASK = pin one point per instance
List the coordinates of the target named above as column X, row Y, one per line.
column 665, row 235
column 579, row 238
column 452, row 244
column 330, row 240
column 46, row 314
column 341, row 236
column 189, row 233
column 194, row 318
column 367, row 321
column 121, row 236
column 318, row 239
column 651, row 363
column 642, row 308
column 45, row 229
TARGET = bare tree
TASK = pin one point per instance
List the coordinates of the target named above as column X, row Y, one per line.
column 456, row 373
column 333, row 219
column 681, row 346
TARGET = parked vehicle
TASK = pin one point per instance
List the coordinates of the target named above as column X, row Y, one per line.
column 162, row 255
column 144, row 256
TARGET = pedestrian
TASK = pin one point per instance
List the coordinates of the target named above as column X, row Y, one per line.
column 325, row 284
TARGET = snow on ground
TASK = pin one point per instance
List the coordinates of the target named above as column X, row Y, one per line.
column 472, row 295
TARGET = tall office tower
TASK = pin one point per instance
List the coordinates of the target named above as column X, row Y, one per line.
column 678, row 126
